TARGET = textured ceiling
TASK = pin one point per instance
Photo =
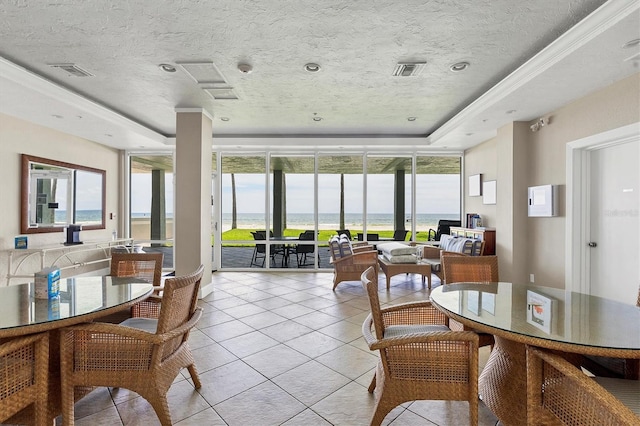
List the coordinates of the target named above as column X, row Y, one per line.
column 357, row 44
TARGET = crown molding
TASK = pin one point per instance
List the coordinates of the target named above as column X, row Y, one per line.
column 603, row 18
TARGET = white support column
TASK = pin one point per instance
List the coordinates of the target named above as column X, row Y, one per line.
column 194, row 131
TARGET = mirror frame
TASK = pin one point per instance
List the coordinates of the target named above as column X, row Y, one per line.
column 24, row 194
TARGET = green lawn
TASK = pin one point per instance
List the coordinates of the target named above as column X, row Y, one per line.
column 324, row 235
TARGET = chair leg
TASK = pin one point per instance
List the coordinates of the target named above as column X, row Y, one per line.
column 161, row 407
column 372, row 385
column 194, row 376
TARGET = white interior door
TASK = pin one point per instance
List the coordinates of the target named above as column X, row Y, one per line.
column 614, row 224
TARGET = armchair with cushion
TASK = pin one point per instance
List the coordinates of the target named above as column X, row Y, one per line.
column 350, row 260
column 470, row 269
column 24, row 371
column 141, row 354
column 560, row 393
column 420, row 358
column 460, row 246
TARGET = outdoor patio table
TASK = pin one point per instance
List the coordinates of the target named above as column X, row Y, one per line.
column 519, row 315
column 82, row 299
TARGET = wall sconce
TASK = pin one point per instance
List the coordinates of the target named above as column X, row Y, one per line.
column 543, row 121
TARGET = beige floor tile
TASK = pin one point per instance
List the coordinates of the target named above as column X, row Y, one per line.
column 248, row 344
column 272, row 303
column 107, row 417
column 206, row 417
column 227, row 330
column 314, row 344
column 307, row 418
column 265, row 404
column 285, row 331
column 349, row 405
column 276, row 360
column 96, row 401
column 451, row 412
column 292, row 310
column 242, row 311
column 263, row 319
column 211, row 356
column 316, row 320
column 345, row 331
column 212, row 318
column 349, row 361
column 311, row 382
column 228, row 380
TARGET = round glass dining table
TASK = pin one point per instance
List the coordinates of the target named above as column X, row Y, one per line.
column 519, row 315
column 81, row 299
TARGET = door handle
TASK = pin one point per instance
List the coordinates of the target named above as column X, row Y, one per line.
column 592, row 244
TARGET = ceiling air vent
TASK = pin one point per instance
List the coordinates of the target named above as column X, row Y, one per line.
column 221, row 93
column 72, row 69
column 408, row 69
column 202, row 72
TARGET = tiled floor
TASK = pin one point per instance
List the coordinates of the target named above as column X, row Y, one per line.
column 276, row 348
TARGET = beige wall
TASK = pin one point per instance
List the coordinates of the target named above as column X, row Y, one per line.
column 20, row 137
column 539, row 243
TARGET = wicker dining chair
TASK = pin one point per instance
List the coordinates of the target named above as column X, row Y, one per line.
column 472, row 269
column 141, row 354
column 560, row 393
column 146, row 266
column 24, row 371
column 420, row 358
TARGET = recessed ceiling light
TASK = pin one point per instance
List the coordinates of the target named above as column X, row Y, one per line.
column 245, row 68
column 469, row 134
column 511, row 111
column 167, row 67
column 459, row 66
column 56, row 116
column 317, row 118
column 631, row 43
column 108, row 135
column 411, row 119
column 224, row 118
column 311, row 67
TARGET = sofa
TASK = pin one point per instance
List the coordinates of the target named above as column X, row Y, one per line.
column 350, row 260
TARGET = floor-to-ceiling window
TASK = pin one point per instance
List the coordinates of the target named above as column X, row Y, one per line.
column 151, row 203
column 243, row 213
column 388, row 195
column 340, row 193
column 437, row 192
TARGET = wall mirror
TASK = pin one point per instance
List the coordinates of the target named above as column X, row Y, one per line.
column 55, row 194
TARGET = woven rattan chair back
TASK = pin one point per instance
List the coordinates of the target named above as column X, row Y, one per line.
column 475, row 269
column 179, row 300
column 370, row 284
column 146, row 266
column 560, row 393
column 24, row 369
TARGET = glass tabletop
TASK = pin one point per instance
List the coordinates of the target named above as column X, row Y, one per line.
column 545, row 313
column 78, row 296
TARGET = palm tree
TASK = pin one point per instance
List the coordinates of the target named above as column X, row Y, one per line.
column 342, row 201
column 234, row 213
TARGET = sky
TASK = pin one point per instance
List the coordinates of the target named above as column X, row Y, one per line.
column 435, row 193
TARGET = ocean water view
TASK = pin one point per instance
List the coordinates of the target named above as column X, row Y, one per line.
column 332, row 220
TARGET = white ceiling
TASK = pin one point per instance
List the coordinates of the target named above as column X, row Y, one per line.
column 529, row 57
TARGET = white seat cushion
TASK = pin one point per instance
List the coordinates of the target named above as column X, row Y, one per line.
column 401, row 330
column 626, row 391
column 145, row 324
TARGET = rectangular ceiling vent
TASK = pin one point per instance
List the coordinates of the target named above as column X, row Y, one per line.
column 408, row 69
column 221, row 93
column 72, row 70
column 202, row 72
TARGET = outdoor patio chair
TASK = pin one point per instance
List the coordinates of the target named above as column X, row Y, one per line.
column 141, row 354
column 400, row 234
column 420, row 358
column 444, row 227
column 560, row 393
column 24, row 372
column 260, row 250
column 302, row 250
column 470, row 269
